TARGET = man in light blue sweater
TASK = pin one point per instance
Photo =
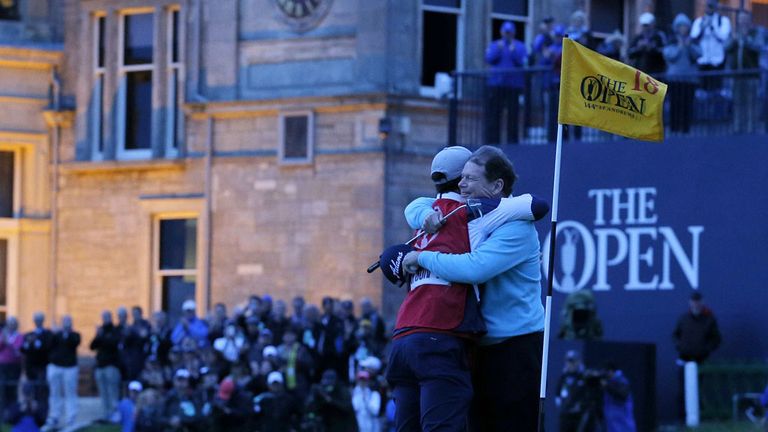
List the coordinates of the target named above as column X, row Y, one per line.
column 508, row 366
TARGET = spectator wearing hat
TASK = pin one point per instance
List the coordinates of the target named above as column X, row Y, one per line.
column 182, row 408
column 367, row 403
column 62, row 375
column 645, row 51
column 190, row 326
column 126, row 409
column 505, row 84
column 232, row 408
column 681, row 55
column 276, row 410
column 696, row 334
column 711, row 31
column 107, row 373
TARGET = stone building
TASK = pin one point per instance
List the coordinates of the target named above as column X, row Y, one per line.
column 157, row 150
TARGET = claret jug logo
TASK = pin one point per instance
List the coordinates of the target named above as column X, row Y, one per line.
column 626, row 247
column 607, row 94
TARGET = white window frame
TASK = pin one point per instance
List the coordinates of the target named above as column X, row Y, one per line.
column 310, row 138
column 174, row 122
column 96, row 120
column 122, row 80
column 515, row 19
column 460, row 31
column 159, row 274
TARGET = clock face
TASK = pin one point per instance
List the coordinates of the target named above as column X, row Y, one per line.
column 302, row 15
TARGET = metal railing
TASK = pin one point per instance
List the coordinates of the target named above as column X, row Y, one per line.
column 706, row 103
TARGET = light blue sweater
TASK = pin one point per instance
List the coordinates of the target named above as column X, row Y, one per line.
column 508, row 263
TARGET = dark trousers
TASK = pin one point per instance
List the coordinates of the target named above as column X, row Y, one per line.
column 681, row 100
column 9, row 384
column 432, row 385
column 712, row 82
column 507, row 377
column 501, row 99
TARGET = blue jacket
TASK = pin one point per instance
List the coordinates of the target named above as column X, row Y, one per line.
column 617, row 405
column 197, row 330
column 508, row 263
column 503, row 59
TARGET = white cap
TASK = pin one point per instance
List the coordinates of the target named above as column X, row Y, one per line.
column 182, row 373
column 274, row 377
column 269, row 350
column 646, row 18
column 136, row 386
column 189, row 305
column 371, row 363
column 450, row 162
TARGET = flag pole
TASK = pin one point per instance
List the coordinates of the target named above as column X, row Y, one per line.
column 550, row 277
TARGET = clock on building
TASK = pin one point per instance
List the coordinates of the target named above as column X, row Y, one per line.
column 303, row 15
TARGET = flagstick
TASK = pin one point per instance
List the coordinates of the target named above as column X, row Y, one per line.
column 550, row 276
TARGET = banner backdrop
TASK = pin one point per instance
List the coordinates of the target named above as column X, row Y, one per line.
column 643, row 226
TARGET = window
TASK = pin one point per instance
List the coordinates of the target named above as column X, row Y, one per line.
column 7, row 176
column 135, row 90
column 175, row 263
column 97, row 94
column 515, row 11
column 9, row 10
column 3, row 279
column 175, row 83
column 296, row 138
column 442, row 39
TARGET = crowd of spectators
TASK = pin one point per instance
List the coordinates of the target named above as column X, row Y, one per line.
column 690, row 54
column 259, row 368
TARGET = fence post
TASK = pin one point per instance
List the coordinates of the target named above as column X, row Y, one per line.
column 453, row 103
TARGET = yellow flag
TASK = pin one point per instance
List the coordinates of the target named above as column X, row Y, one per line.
column 602, row 93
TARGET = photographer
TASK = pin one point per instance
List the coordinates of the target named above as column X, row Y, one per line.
column 570, row 393
column 711, row 32
column 618, row 406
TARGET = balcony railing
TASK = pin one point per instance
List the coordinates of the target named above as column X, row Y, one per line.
column 706, row 103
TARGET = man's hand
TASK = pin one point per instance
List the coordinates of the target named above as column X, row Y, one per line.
column 411, row 262
column 433, row 222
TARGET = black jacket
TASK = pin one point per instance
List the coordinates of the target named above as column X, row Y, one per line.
column 64, row 349
column 696, row 336
column 106, row 346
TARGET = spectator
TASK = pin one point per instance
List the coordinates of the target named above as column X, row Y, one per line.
column 232, row 408
column 613, row 46
column 63, row 376
column 10, row 362
column 297, row 319
column 711, row 32
column 36, row 349
column 126, row 409
column 645, row 51
column 504, row 84
column 182, row 406
column 570, row 395
column 155, row 375
column 330, row 340
column 27, row 414
column 331, row 403
column 368, row 311
column 279, row 321
column 743, row 53
column 276, row 409
column 253, row 328
column 681, row 55
column 190, row 326
column 542, row 41
column 107, row 373
column 552, row 57
column 217, row 322
column 149, row 411
column 256, row 348
column 696, row 334
column 367, row 404
column 296, row 362
column 578, row 30
column 231, row 345
column 311, row 330
column 135, row 337
column 618, row 408
column 159, row 342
